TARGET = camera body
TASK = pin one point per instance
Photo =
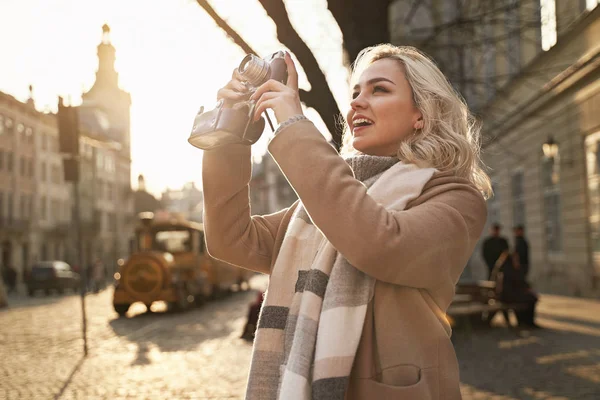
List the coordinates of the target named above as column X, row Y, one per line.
column 226, row 125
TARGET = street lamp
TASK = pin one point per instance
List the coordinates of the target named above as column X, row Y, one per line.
column 550, row 148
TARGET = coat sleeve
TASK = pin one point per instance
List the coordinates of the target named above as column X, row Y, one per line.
column 422, row 247
column 232, row 235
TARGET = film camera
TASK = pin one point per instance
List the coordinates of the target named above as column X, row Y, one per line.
column 226, row 125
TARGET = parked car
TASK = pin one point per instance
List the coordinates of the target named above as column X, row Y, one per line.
column 48, row 275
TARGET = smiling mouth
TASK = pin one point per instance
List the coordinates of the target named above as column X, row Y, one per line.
column 360, row 128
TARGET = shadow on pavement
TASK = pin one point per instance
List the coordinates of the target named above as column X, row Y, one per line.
column 20, row 300
column 558, row 361
column 69, row 379
column 572, row 320
column 181, row 331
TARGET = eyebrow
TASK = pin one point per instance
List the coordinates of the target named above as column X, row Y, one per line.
column 375, row 80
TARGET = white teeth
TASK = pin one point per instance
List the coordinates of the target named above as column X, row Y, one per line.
column 361, row 121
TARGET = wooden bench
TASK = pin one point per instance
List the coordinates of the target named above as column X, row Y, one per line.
column 475, row 304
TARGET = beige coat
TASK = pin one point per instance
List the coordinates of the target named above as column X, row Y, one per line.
column 416, row 255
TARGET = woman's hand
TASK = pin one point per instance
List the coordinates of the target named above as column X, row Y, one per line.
column 284, row 100
column 234, row 91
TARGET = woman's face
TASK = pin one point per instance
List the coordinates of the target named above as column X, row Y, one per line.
column 382, row 111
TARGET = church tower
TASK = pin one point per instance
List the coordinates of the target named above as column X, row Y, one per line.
column 106, row 98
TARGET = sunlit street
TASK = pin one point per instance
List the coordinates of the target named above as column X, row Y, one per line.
column 300, row 199
column 199, row 354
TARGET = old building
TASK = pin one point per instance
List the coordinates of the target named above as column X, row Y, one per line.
column 143, row 200
column 269, row 190
column 36, row 204
column 19, row 124
column 107, row 201
column 187, row 201
column 529, row 70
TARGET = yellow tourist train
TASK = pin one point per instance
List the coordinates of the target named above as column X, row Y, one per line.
column 170, row 263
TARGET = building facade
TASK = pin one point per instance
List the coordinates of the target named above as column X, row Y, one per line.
column 269, row 189
column 107, row 200
column 18, row 190
column 36, row 204
column 530, row 72
column 187, row 201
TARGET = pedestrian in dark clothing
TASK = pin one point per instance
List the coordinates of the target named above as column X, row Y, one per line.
column 521, row 254
column 252, row 319
column 9, row 275
column 516, row 290
column 493, row 246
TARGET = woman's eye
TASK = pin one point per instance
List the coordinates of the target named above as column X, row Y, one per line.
column 354, row 95
column 379, row 89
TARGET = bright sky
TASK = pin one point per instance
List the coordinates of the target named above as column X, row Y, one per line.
column 171, row 57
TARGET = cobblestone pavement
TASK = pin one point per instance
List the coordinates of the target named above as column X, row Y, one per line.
column 190, row 355
column 198, row 355
column 559, row 362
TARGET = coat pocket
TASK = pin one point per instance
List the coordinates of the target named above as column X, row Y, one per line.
column 400, row 375
column 425, row 388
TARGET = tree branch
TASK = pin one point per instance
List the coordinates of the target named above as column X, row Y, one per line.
column 363, row 23
column 320, row 96
column 237, row 39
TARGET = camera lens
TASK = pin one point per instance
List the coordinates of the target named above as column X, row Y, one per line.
column 254, row 70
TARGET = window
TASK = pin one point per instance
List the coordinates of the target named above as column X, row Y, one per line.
column 54, row 210
column 9, row 125
column 43, row 207
column 513, row 32
column 55, row 174
column 548, row 23
column 112, row 222
column 29, row 134
column 30, row 167
column 23, row 166
column 9, row 206
column 489, row 60
column 172, row 241
column 43, row 172
column 24, row 207
column 551, row 193
column 592, row 156
column 20, row 128
column 518, row 199
column 494, row 204
column 67, row 211
column 9, row 161
column 44, row 141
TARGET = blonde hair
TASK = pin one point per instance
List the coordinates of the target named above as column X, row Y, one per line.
column 450, row 137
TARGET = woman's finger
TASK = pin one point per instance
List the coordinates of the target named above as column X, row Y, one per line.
column 236, row 74
column 269, row 86
column 266, row 97
column 229, row 94
column 259, row 107
column 292, row 80
column 237, row 86
column 262, row 107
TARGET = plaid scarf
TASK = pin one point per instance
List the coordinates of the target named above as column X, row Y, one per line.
column 314, row 289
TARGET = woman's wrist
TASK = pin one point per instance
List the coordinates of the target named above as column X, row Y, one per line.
column 290, row 121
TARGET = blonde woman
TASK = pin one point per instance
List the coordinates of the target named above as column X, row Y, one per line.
column 363, row 267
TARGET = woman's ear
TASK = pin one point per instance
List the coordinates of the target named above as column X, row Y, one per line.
column 419, row 123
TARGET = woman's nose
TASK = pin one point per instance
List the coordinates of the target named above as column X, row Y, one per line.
column 358, row 102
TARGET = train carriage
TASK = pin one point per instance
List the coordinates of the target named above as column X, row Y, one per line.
column 170, row 263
